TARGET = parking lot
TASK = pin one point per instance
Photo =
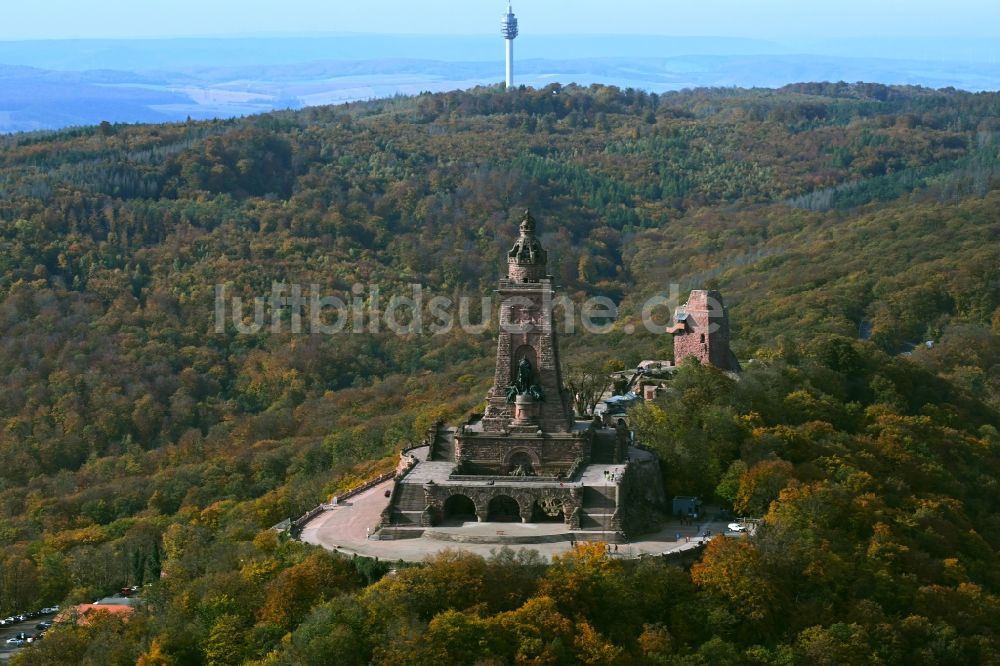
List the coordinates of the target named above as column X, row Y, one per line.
column 24, row 626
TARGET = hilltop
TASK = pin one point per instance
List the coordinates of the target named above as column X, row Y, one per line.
column 847, row 225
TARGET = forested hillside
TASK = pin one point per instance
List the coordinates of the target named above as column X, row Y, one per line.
column 848, row 225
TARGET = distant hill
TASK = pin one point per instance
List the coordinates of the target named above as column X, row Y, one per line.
column 53, row 84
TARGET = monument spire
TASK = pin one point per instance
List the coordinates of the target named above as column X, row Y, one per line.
column 527, row 349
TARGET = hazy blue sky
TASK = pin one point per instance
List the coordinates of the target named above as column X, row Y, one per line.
column 42, row 19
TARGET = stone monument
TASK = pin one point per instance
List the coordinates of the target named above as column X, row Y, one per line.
column 526, row 458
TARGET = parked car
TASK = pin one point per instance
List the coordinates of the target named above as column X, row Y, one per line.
column 43, row 625
column 50, row 609
column 737, row 527
column 16, row 642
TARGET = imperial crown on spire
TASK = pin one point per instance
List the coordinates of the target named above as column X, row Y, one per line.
column 527, row 260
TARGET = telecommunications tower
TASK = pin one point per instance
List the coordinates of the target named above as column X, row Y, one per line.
column 509, row 29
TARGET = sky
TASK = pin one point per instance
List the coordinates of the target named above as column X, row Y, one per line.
column 761, row 19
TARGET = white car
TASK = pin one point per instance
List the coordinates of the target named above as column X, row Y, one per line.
column 737, row 527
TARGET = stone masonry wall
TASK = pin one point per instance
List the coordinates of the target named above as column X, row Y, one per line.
column 491, row 454
column 569, row 497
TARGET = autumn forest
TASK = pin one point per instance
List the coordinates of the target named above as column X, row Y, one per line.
column 853, row 228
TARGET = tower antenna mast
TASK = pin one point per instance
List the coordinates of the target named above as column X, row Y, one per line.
column 509, row 29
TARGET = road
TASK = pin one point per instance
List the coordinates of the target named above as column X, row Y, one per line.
column 349, row 522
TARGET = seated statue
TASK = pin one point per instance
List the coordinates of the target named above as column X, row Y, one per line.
column 523, row 377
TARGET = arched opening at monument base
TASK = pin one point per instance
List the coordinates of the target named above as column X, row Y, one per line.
column 547, row 510
column 521, row 464
column 459, row 508
column 504, row 509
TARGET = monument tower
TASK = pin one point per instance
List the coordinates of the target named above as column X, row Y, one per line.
column 527, row 349
column 509, row 29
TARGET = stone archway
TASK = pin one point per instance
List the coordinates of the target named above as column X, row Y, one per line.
column 504, row 508
column 521, row 464
column 522, row 456
column 528, row 352
column 460, row 508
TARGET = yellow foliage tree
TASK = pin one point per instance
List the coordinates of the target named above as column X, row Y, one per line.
column 731, row 570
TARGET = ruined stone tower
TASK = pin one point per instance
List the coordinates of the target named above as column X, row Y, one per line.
column 701, row 329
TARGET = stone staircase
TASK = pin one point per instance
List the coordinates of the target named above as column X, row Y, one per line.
column 603, row 450
column 397, row 533
column 501, row 538
column 409, row 505
column 598, row 507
